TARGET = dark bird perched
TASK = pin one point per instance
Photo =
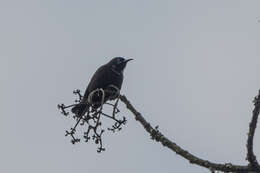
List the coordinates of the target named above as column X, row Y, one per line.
column 110, row 74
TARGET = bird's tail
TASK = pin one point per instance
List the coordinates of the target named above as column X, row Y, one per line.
column 80, row 109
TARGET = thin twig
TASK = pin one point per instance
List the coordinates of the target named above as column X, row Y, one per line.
column 115, row 110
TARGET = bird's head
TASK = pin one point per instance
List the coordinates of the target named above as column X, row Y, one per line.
column 118, row 64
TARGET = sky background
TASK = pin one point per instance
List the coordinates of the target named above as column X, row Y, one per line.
column 195, row 73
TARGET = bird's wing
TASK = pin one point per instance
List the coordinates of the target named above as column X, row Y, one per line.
column 98, row 80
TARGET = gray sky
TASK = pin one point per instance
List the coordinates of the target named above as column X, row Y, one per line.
column 195, row 73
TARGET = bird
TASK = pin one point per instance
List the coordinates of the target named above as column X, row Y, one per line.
column 109, row 74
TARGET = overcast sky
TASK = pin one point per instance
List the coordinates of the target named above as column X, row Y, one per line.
column 195, row 73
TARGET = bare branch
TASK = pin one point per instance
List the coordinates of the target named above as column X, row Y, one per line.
column 252, row 126
column 95, row 117
column 159, row 137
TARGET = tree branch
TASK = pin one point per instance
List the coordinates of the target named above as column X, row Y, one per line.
column 159, row 137
column 252, row 126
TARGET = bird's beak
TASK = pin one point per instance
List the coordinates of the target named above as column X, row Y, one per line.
column 126, row 61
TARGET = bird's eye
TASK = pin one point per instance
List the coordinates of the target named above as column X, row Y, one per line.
column 118, row 61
